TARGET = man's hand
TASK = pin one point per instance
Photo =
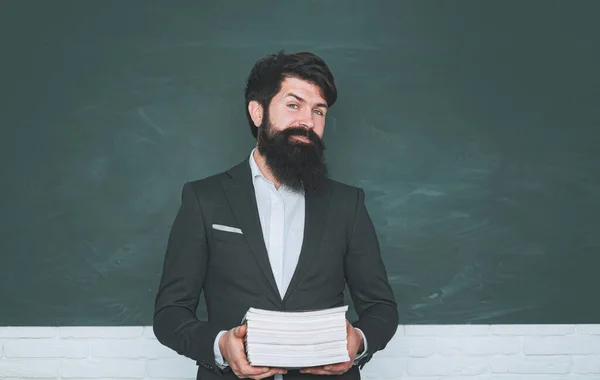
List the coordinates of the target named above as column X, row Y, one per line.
column 355, row 344
column 231, row 345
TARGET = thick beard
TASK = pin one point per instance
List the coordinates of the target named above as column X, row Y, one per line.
column 297, row 165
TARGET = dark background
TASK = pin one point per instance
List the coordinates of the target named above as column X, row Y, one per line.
column 472, row 126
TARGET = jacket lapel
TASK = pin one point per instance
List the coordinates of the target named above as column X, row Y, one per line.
column 316, row 211
column 240, row 193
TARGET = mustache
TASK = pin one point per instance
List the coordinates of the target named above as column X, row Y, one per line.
column 302, row 132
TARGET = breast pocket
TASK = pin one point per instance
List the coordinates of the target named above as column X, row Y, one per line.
column 227, row 236
column 231, row 256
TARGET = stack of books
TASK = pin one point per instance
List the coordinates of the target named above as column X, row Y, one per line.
column 295, row 340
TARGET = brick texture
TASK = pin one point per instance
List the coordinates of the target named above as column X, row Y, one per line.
column 439, row 352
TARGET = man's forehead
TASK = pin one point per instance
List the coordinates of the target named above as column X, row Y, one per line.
column 302, row 88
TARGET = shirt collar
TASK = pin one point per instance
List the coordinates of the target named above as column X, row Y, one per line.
column 254, row 166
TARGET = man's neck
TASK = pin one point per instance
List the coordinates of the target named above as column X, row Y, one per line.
column 262, row 166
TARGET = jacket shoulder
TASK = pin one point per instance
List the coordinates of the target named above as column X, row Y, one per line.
column 210, row 181
column 206, row 187
column 339, row 188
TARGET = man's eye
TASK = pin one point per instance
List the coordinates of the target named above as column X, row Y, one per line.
column 293, row 105
column 318, row 112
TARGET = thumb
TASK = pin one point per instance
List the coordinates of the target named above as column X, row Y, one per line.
column 240, row 331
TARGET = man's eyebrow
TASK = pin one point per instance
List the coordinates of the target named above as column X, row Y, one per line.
column 304, row 101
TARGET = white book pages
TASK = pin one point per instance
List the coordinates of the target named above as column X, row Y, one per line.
column 296, row 339
column 341, row 330
column 300, row 314
column 295, row 326
column 292, row 339
column 322, row 348
column 307, row 319
column 297, row 363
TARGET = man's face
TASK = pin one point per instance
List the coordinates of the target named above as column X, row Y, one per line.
column 299, row 103
column 290, row 136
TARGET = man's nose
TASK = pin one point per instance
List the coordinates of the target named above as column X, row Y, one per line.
column 307, row 120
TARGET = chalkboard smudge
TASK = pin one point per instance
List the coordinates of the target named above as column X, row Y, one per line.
column 392, row 200
column 158, row 79
column 333, row 124
column 97, row 169
column 483, row 315
column 91, row 246
column 54, row 215
column 117, row 260
column 149, row 121
column 508, row 201
column 472, row 229
column 429, row 192
column 142, row 139
column 405, row 280
column 458, row 214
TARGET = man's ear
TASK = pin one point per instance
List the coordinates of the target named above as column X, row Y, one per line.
column 256, row 112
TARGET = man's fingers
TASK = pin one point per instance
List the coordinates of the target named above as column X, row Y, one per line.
column 331, row 369
column 349, row 326
column 336, row 367
column 240, row 331
column 322, row 372
column 244, row 370
column 248, row 371
column 269, row 373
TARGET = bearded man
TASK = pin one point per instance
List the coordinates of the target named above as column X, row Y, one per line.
column 274, row 232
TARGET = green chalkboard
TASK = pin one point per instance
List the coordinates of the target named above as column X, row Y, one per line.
column 474, row 128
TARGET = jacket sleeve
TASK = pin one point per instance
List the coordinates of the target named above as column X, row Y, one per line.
column 368, row 283
column 184, row 268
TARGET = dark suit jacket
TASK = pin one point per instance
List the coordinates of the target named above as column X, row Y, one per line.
column 233, row 272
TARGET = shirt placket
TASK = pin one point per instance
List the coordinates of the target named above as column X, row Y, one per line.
column 276, row 234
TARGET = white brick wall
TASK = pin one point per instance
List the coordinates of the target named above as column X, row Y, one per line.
column 463, row 352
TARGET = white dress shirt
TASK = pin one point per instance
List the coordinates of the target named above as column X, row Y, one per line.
column 281, row 212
